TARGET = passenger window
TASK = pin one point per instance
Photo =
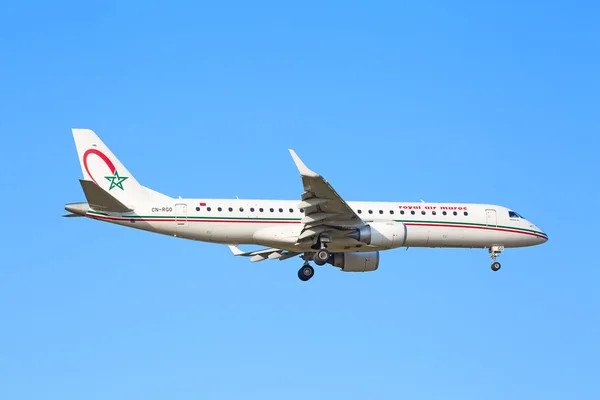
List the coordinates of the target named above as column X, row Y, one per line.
column 291, row 210
column 251, row 209
column 391, row 211
column 260, row 209
column 444, row 212
column 219, row 209
column 241, row 209
column 466, row 213
column 455, row 213
column 402, row 212
column 433, row 213
column 423, row 212
column 370, row 211
column 360, row 211
column 230, row 209
column 207, row 208
column 412, row 212
column 197, row 208
column 281, row 210
column 302, row 210
column 380, row 211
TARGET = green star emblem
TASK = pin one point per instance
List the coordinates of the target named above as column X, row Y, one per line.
column 116, row 180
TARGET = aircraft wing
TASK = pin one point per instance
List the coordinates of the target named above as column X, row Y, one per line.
column 324, row 208
column 264, row 254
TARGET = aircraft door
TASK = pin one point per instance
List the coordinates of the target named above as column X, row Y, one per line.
column 181, row 214
column 490, row 218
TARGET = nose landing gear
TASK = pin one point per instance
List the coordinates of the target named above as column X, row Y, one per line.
column 494, row 253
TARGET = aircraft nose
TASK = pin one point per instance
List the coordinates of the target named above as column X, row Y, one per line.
column 542, row 235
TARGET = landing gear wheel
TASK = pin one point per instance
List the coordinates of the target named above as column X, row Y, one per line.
column 494, row 253
column 306, row 272
column 321, row 257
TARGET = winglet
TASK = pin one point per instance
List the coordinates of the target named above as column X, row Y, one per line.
column 235, row 250
column 302, row 168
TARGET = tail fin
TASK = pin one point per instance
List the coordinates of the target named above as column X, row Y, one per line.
column 100, row 166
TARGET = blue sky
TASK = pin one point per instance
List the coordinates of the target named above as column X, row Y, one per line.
column 493, row 102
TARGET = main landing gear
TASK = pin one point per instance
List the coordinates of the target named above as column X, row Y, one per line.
column 494, row 253
column 306, row 272
column 320, row 257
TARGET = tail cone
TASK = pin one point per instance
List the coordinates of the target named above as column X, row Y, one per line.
column 77, row 208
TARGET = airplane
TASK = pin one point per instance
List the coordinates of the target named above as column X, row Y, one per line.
column 320, row 227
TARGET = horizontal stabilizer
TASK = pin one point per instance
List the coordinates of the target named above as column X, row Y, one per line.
column 263, row 254
column 72, row 215
column 99, row 199
column 235, row 250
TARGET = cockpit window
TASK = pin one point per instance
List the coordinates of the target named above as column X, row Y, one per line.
column 513, row 214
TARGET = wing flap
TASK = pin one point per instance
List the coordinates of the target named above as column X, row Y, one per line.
column 318, row 216
column 309, row 232
column 312, row 202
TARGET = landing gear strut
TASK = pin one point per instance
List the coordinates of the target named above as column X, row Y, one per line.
column 321, row 256
column 306, row 272
column 494, row 253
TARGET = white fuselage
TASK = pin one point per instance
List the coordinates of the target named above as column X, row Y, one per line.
column 320, row 226
column 277, row 223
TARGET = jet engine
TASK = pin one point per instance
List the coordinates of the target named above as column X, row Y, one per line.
column 356, row 262
column 386, row 235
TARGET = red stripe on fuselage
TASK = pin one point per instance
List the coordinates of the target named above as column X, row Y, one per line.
column 125, row 219
column 489, row 228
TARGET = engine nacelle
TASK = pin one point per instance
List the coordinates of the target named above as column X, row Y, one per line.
column 356, row 262
column 381, row 234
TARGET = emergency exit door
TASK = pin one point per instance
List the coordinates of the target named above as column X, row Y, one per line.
column 181, row 214
column 490, row 217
